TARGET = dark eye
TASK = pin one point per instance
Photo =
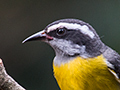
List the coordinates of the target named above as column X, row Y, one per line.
column 61, row 31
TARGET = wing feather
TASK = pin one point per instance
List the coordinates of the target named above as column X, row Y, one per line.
column 113, row 62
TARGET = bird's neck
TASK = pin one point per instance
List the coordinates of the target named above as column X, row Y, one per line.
column 95, row 48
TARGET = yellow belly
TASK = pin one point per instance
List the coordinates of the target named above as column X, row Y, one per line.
column 85, row 74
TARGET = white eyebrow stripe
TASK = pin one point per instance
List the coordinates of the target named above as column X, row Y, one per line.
column 83, row 28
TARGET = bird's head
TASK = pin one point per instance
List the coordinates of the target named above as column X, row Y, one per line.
column 70, row 38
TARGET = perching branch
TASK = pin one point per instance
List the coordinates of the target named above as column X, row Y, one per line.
column 6, row 81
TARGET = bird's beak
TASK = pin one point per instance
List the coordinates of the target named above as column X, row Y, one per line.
column 38, row 36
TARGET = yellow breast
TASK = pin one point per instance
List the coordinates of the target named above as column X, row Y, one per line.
column 85, row 74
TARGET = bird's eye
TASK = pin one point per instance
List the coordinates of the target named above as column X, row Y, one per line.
column 61, row 31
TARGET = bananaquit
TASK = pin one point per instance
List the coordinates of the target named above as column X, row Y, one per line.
column 82, row 61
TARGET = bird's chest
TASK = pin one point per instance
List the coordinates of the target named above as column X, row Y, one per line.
column 84, row 74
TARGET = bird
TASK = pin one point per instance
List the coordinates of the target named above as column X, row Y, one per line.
column 82, row 61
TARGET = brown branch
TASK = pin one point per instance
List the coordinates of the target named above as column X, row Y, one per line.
column 6, row 81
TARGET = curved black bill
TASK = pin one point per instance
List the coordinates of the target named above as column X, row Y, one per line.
column 38, row 36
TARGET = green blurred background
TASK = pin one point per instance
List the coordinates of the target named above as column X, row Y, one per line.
column 31, row 64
